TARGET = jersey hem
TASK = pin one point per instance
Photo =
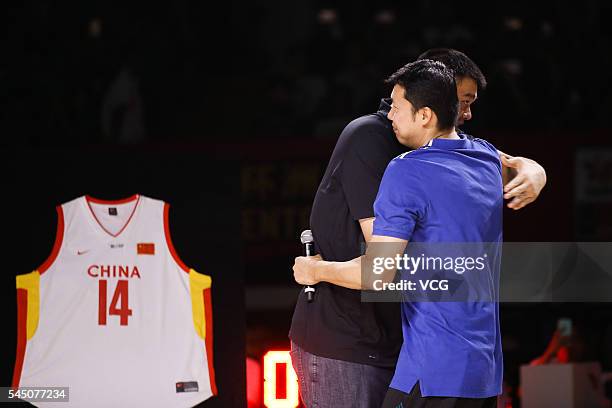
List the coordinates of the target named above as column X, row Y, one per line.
column 390, row 233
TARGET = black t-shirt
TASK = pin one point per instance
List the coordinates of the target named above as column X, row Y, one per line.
column 337, row 324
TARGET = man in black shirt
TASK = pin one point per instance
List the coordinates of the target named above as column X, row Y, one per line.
column 344, row 351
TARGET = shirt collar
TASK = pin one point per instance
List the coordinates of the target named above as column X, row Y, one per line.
column 385, row 106
column 447, row 144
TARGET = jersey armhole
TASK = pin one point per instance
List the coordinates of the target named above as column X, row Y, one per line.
column 171, row 248
column 59, row 237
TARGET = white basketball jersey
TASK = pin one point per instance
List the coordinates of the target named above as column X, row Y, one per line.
column 114, row 314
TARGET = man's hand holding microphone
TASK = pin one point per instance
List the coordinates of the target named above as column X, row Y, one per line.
column 304, row 268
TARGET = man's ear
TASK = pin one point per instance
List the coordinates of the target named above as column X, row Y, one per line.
column 426, row 116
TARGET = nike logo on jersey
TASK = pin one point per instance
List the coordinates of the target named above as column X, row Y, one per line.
column 82, row 252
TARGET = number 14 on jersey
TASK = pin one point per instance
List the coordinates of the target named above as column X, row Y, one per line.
column 120, row 297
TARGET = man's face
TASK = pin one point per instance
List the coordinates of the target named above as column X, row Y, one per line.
column 403, row 119
column 467, row 92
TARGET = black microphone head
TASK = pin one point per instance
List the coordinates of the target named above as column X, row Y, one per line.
column 306, row 237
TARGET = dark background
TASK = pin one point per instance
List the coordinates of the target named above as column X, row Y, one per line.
column 230, row 110
column 239, row 70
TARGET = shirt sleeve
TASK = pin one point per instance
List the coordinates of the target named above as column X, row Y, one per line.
column 363, row 166
column 493, row 151
column 401, row 202
column 487, row 145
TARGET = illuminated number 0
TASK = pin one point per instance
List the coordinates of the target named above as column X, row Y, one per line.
column 121, row 293
column 273, row 396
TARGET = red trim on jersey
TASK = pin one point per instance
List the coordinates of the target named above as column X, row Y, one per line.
column 110, row 202
column 209, row 339
column 169, row 239
column 89, row 200
column 22, row 333
column 59, row 237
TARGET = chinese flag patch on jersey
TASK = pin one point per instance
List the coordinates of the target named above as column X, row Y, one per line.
column 145, row 248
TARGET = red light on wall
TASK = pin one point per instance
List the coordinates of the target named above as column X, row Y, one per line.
column 280, row 381
column 254, row 383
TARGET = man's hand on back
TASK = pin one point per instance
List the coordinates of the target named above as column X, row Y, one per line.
column 528, row 181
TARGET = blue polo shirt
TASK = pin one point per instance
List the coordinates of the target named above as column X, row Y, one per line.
column 449, row 191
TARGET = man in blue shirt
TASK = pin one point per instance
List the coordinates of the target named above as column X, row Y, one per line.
column 448, row 190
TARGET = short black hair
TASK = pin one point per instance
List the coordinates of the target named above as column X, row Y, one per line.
column 430, row 84
column 457, row 61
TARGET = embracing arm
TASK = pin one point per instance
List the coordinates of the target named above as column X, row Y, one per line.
column 358, row 273
column 338, row 273
column 523, row 179
column 354, row 274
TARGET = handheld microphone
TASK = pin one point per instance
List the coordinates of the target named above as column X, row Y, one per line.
column 308, row 241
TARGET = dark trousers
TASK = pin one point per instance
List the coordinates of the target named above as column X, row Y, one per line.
column 399, row 399
column 329, row 383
